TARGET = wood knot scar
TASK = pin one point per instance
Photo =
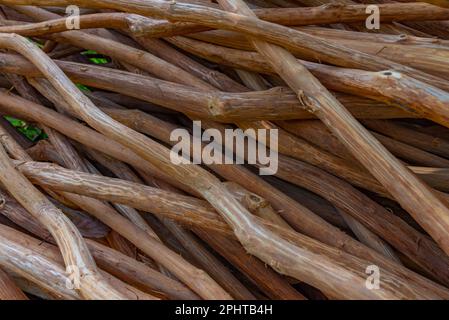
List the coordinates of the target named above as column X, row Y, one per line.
column 2, row 202
column 18, row 164
column 306, row 101
column 215, row 106
column 391, row 74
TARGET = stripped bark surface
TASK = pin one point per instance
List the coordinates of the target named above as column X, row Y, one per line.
column 88, row 181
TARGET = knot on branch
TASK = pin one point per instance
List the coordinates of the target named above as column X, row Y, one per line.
column 17, row 164
column 215, row 106
column 403, row 38
column 391, row 74
column 136, row 24
column 309, row 103
column 2, row 202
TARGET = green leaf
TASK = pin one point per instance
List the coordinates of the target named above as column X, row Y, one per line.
column 99, row 60
column 40, row 45
column 89, row 52
column 31, row 132
column 83, row 87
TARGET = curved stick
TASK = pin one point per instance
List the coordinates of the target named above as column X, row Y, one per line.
column 414, row 195
column 110, row 260
column 300, row 218
column 146, row 198
column 390, row 87
column 276, row 103
column 258, row 240
column 206, row 260
column 197, row 279
column 251, row 26
column 325, row 14
column 47, row 264
column 68, row 238
column 193, row 212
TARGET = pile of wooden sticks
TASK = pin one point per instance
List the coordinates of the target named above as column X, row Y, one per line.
column 96, row 208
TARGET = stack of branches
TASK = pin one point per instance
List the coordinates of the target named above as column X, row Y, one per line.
column 357, row 208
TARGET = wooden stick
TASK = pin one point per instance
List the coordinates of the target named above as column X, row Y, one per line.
column 362, row 233
column 398, row 91
column 425, row 56
column 68, row 155
column 8, row 289
column 325, row 14
column 243, row 224
column 297, row 148
column 44, row 272
column 402, row 39
column 278, row 287
column 119, row 265
column 430, row 60
column 348, row 199
column 47, row 263
column 441, row 3
column 82, row 134
column 410, row 192
column 29, row 287
column 182, row 269
column 138, row 274
column 289, row 208
column 437, row 177
column 251, row 26
column 168, row 53
column 279, row 103
column 420, row 140
column 319, row 224
column 87, row 226
column 257, row 205
column 207, row 261
column 316, row 131
column 66, row 235
column 267, row 280
column 106, row 213
column 369, row 238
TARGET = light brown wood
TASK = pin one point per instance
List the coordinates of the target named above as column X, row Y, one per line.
column 325, row 14
column 252, row 26
column 112, row 261
column 277, row 103
column 407, row 189
column 269, row 225
column 200, row 214
column 48, row 263
column 66, row 235
column 8, row 289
